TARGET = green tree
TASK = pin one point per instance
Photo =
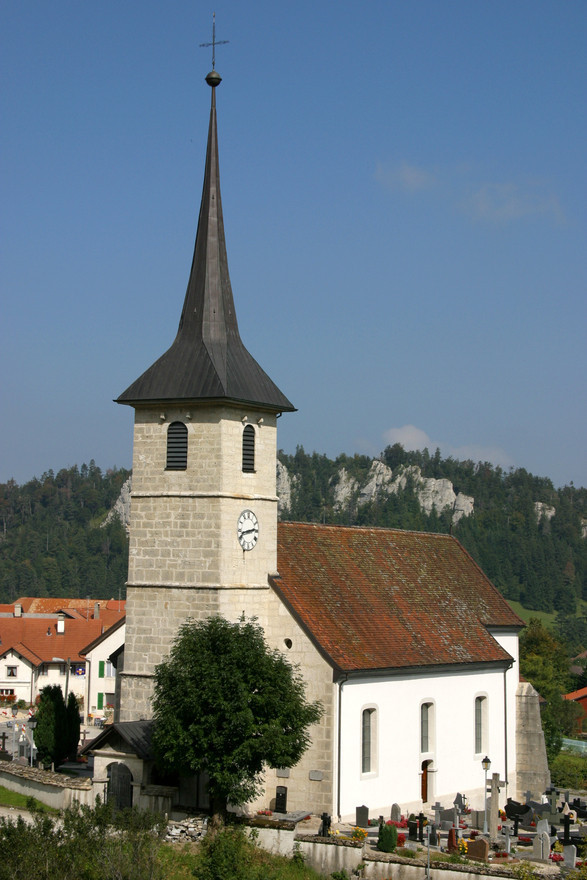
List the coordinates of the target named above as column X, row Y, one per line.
column 72, row 726
column 227, row 705
column 58, row 727
column 544, row 662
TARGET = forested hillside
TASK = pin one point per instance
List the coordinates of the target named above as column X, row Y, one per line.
column 54, row 540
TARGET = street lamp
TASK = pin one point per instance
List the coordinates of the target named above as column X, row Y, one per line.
column 14, row 714
column 486, row 764
column 32, row 724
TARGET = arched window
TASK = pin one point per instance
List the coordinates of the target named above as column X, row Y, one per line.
column 369, row 740
column 427, row 727
column 248, row 449
column 177, row 447
column 480, row 725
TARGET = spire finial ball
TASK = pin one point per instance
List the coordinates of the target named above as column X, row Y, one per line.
column 213, row 79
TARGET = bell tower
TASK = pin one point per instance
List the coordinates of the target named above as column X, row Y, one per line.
column 203, row 527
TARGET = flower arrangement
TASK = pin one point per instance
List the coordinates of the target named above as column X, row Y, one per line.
column 525, row 841
column 358, row 834
column 500, row 855
column 401, row 840
column 556, row 857
column 264, row 813
column 463, row 847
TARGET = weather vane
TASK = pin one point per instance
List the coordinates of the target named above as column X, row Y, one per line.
column 214, row 42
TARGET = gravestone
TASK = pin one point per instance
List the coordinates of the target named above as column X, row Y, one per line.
column 478, row 849
column 567, row 822
column 324, row 830
column 412, row 829
column 496, row 784
column 438, row 808
column 433, row 835
column 362, row 817
column 452, row 844
column 507, row 834
column 421, row 821
column 541, row 846
column 543, row 825
column 477, row 819
column 281, row 799
column 396, row 813
column 570, row 856
column 459, row 802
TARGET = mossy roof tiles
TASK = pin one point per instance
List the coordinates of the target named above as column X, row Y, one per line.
column 383, row 598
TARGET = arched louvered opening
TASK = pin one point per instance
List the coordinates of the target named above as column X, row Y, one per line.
column 177, row 447
column 248, row 449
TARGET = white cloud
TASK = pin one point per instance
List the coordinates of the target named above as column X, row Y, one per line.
column 506, row 202
column 487, row 202
column 404, row 176
column 412, row 438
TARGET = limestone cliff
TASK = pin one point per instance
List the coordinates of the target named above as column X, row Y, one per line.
column 382, row 481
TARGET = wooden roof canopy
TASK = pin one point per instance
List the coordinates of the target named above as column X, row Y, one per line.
column 208, row 362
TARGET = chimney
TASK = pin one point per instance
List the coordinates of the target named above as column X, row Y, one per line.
column 96, row 611
column 18, row 610
column 60, row 624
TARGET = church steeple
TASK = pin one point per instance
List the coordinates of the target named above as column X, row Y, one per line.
column 208, row 361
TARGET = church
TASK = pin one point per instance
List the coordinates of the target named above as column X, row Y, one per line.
column 411, row 650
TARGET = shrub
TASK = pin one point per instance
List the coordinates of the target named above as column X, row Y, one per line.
column 569, row 770
column 387, row 838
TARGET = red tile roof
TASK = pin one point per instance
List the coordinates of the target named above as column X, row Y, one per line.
column 383, row 598
column 581, row 694
column 37, row 639
column 52, row 605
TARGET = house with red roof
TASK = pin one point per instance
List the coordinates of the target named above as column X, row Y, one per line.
column 580, row 697
column 411, row 650
column 42, row 643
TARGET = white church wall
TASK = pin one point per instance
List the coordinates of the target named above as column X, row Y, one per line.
column 510, row 642
column 397, row 774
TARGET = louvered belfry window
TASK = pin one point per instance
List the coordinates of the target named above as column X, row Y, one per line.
column 248, row 449
column 177, row 447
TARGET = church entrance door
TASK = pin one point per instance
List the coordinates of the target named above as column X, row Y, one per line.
column 119, row 786
column 425, row 781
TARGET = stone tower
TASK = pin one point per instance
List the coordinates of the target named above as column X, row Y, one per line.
column 203, row 505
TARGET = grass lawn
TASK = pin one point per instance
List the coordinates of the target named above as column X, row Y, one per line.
column 21, row 801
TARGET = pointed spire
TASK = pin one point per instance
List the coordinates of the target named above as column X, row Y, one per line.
column 208, row 361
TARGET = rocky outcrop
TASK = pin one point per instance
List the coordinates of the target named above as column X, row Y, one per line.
column 284, row 486
column 121, row 508
column 432, row 494
column 543, row 511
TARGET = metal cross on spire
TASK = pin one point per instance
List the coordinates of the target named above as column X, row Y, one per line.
column 214, row 42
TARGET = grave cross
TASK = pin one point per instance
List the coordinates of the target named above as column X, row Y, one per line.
column 438, row 808
column 567, row 821
column 553, row 803
column 496, row 784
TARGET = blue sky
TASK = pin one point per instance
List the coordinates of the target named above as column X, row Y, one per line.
column 404, row 196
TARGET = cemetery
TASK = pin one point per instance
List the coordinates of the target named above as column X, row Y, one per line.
column 449, row 839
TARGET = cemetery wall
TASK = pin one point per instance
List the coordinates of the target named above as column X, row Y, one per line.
column 53, row 789
column 396, row 775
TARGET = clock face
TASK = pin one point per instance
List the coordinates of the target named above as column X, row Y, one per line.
column 247, row 529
